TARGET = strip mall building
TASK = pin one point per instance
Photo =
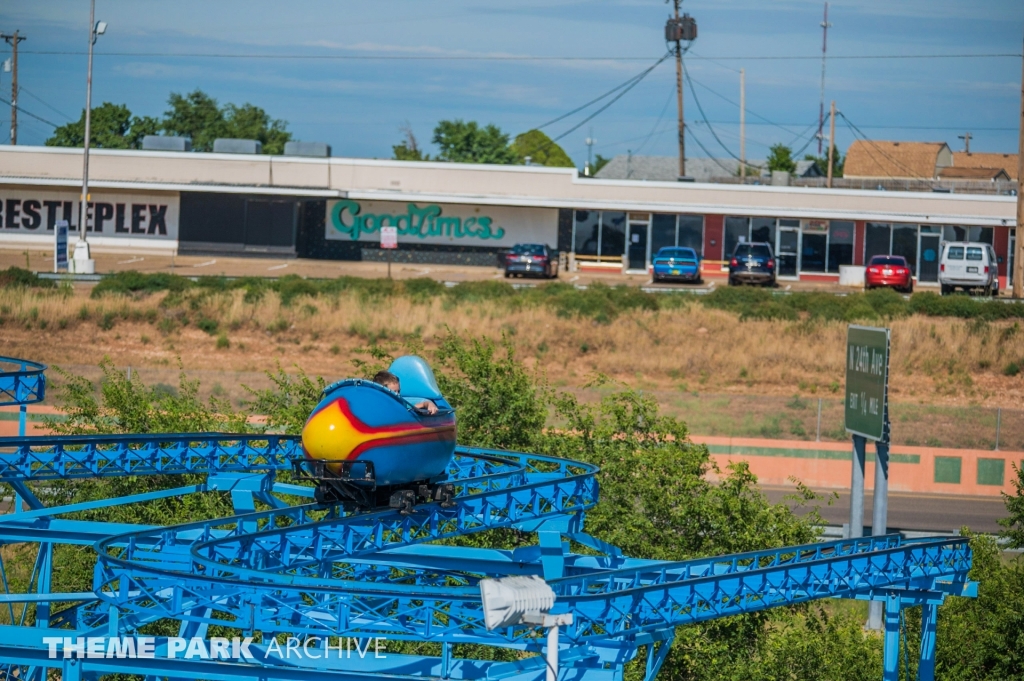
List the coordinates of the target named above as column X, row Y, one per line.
column 333, row 208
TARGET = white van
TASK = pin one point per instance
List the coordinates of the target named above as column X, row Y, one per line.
column 968, row 265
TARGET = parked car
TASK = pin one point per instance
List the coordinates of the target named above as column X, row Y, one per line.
column 968, row 265
column 679, row 263
column 752, row 263
column 889, row 271
column 535, row 259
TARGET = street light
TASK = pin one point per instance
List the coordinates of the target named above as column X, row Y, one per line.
column 524, row 600
column 82, row 263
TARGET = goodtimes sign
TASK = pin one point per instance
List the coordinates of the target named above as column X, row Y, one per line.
column 140, row 216
column 461, row 225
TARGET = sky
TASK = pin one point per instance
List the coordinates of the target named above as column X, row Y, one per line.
column 354, row 73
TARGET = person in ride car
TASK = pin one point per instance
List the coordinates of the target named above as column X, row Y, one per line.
column 391, row 382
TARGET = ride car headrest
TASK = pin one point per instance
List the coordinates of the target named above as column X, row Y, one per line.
column 416, row 378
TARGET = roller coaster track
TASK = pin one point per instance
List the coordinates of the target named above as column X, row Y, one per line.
column 282, row 567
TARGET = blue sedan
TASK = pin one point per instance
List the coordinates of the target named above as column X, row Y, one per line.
column 677, row 263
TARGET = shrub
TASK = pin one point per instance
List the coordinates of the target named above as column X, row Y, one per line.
column 1011, row 369
column 222, row 342
column 208, row 325
column 138, row 282
column 17, row 277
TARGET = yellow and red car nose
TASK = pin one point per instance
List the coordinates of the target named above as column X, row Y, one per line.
column 329, row 434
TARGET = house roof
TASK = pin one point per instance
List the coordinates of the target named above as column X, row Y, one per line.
column 666, row 168
column 876, row 159
column 1007, row 162
column 954, row 173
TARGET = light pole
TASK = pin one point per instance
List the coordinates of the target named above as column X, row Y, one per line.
column 524, row 600
column 82, row 263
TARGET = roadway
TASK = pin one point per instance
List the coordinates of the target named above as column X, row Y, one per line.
column 912, row 512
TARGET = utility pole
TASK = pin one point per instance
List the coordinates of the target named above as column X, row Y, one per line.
column 966, row 137
column 679, row 30
column 1018, row 258
column 13, row 40
column 821, row 104
column 679, row 98
column 831, row 140
column 743, row 126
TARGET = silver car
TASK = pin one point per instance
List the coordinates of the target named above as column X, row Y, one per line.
column 968, row 265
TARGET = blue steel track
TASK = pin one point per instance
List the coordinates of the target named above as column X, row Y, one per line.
column 280, row 567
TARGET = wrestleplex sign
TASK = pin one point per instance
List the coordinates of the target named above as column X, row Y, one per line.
column 431, row 223
column 119, row 215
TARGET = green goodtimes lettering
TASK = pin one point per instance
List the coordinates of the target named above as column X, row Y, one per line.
column 347, row 218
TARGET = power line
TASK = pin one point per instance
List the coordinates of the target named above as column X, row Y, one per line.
column 870, row 143
column 704, row 116
column 710, row 155
column 654, row 127
column 29, row 113
column 51, row 108
column 422, row 57
column 598, row 99
column 635, row 81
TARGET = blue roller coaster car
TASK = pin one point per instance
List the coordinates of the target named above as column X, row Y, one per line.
column 369, row 446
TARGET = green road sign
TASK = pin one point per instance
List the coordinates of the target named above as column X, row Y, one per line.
column 867, row 380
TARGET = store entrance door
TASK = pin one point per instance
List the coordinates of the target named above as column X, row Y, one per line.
column 928, row 269
column 787, row 251
column 637, row 247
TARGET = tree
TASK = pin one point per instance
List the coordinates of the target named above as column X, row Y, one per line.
column 112, row 126
column 541, row 150
column 408, row 149
column 198, row 116
column 462, row 142
column 599, row 162
column 781, row 158
column 250, row 122
column 1014, row 524
column 822, row 162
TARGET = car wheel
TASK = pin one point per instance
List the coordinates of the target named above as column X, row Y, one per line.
column 943, row 290
column 507, row 274
column 732, row 282
column 910, row 288
column 699, row 281
column 995, row 289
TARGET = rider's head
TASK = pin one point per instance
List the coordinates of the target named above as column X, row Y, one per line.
column 388, row 380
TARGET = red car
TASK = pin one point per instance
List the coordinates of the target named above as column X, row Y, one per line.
column 889, row 270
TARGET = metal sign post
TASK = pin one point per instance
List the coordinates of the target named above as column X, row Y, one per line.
column 389, row 242
column 867, row 418
column 60, row 246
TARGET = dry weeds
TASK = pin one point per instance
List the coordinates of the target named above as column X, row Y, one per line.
column 935, row 361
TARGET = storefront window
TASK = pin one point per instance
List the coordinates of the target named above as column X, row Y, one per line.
column 763, row 229
column 663, row 231
column 840, row 244
column 735, row 229
column 613, row 234
column 877, row 239
column 904, row 242
column 691, row 232
column 955, row 233
column 587, row 236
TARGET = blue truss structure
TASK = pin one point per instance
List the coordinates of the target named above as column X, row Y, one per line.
column 283, row 567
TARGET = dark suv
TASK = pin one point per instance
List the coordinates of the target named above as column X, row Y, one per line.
column 536, row 259
column 752, row 263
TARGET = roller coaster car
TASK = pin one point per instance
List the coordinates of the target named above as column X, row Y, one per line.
column 370, row 447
